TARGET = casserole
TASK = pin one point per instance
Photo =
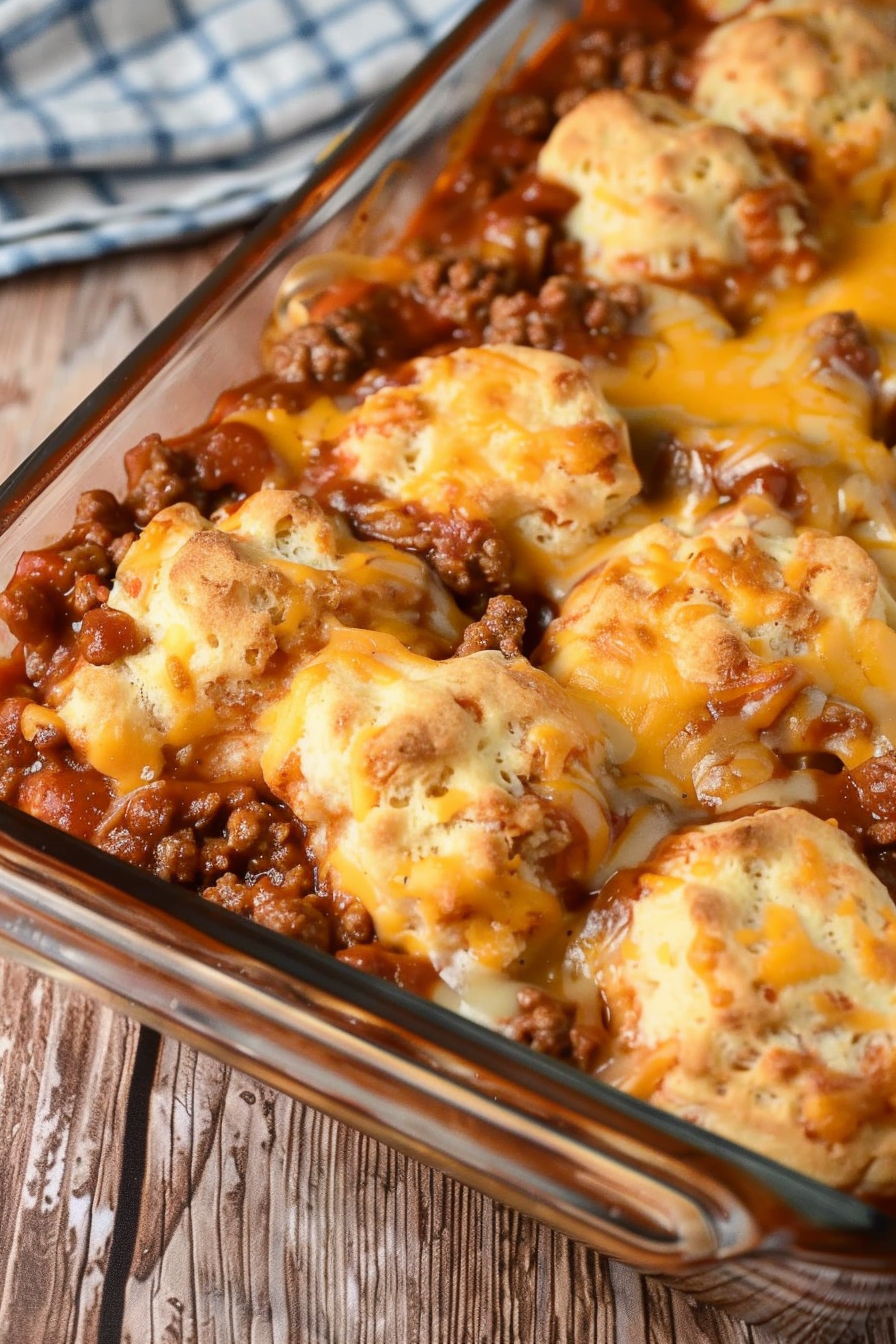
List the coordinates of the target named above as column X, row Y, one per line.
column 522, row 1128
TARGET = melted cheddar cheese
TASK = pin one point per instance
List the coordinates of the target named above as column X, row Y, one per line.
column 227, row 612
column 520, row 438
column 717, row 653
column 692, row 367
column 456, row 799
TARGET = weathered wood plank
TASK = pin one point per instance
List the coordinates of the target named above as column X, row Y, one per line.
column 184, row 1116
column 65, row 1066
column 302, row 1231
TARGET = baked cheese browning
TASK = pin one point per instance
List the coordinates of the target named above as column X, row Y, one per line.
column 770, row 479
column 457, row 800
column 224, row 613
column 688, row 366
column 818, row 74
column 725, row 653
column 749, row 969
column 520, row 438
column 883, row 14
column 377, row 586
column 665, row 195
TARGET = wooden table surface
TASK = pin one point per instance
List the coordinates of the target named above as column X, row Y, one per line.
column 208, row 1207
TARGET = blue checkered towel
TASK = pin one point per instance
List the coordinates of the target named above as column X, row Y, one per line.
column 125, row 122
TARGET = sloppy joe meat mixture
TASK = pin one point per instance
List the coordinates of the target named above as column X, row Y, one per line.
column 526, row 633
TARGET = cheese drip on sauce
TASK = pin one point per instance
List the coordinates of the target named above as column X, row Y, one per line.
column 227, row 612
column 691, row 367
column 457, row 800
column 715, row 650
column 686, row 369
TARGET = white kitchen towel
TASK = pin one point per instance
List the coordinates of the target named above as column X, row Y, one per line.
column 127, row 122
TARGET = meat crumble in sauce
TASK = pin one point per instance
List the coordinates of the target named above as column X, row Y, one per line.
column 489, row 261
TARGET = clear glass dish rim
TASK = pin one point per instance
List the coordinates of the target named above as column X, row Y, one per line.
column 835, row 1227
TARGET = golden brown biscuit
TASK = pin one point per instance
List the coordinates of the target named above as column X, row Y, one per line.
column 821, row 75
column 720, row 10
column 726, row 653
column 225, row 612
column 457, row 800
column 749, row 971
column 519, row 437
column 666, row 195
column 882, row 13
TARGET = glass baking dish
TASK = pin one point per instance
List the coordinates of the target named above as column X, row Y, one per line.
column 726, row 1225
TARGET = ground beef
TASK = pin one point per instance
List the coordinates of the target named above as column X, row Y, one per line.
column 565, row 314
column 454, row 298
column 526, row 114
column 502, row 627
column 47, row 598
column 842, row 343
column 220, row 464
column 548, row 1026
column 194, row 833
column 281, row 904
column 768, row 245
column 468, row 554
column 349, row 919
column 334, row 351
column 239, row 850
column 458, row 291
column 350, row 332
column 647, row 65
column 101, row 519
column 55, row 587
column 605, row 59
column 401, row 968
column 873, row 789
column 288, row 903
column 88, row 593
column 446, row 300
column 157, row 476
column 515, row 320
column 542, row 1022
